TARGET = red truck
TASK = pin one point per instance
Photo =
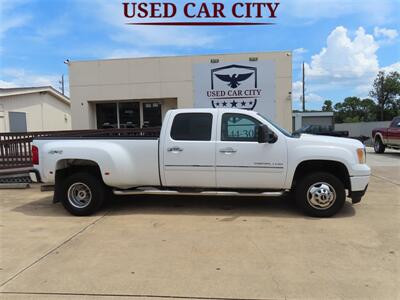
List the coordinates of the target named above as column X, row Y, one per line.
column 387, row 137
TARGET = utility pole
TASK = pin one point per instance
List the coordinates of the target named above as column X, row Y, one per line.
column 304, row 96
column 61, row 82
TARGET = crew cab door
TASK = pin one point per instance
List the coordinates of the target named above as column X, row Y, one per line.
column 242, row 162
column 189, row 150
column 393, row 132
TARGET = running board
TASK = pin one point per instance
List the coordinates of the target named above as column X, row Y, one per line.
column 203, row 193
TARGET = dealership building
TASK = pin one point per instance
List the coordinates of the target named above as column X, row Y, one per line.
column 137, row 92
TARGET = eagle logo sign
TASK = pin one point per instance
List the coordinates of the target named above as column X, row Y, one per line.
column 234, row 79
column 234, row 86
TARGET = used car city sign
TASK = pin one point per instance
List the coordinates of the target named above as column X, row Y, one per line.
column 202, row 13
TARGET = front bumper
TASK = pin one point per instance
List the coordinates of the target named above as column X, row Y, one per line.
column 359, row 185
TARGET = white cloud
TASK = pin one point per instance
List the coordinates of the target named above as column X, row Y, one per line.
column 6, row 84
column 10, row 23
column 344, row 58
column 392, row 67
column 347, row 62
column 386, row 33
column 344, row 63
column 128, row 53
column 54, row 29
column 299, row 51
column 368, row 10
column 10, row 19
column 297, row 91
column 13, row 77
column 111, row 12
column 298, row 55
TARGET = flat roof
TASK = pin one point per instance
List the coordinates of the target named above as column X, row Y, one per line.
column 17, row 91
column 180, row 56
column 314, row 114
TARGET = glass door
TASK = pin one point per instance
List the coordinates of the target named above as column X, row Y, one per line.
column 106, row 115
column 151, row 114
column 129, row 114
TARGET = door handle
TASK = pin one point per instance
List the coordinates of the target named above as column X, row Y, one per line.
column 174, row 149
column 227, row 150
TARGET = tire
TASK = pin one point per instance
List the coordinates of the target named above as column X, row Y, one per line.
column 320, row 194
column 379, row 147
column 82, row 194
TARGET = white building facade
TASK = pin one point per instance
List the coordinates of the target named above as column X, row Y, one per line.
column 33, row 109
column 137, row 92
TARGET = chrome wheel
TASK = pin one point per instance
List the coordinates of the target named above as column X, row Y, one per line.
column 376, row 146
column 321, row 195
column 79, row 195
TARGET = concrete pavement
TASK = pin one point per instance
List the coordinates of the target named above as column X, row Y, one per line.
column 203, row 247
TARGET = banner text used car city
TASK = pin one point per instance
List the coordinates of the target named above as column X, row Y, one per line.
column 200, row 13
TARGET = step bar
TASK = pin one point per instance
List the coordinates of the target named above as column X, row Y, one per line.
column 203, row 193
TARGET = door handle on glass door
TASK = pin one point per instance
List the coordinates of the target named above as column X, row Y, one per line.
column 227, row 150
column 174, row 149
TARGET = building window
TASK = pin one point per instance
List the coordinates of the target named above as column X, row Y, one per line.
column 106, row 114
column 124, row 114
column 151, row 114
column 129, row 114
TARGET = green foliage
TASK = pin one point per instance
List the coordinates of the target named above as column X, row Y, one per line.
column 353, row 109
column 328, row 105
column 386, row 92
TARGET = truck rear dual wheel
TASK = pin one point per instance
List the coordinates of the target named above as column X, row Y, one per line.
column 82, row 193
column 320, row 194
column 379, row 147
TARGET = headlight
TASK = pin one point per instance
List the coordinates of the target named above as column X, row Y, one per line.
column 362, row 156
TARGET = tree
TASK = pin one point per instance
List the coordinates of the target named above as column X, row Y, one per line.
column 328, row 106
column 386, row 91
column 353, row 109
column 369, row 110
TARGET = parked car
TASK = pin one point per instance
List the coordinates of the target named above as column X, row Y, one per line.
column 387, row 137
column 321, row 130
column 207, row 152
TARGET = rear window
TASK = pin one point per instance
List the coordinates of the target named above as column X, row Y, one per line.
column 192, row 127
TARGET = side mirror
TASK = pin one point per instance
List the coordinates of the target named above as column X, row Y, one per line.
column 264, row 135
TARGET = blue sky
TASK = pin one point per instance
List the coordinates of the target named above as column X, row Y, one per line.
column 344, row 43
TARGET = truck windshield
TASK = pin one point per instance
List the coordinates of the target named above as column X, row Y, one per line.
column 284, row 131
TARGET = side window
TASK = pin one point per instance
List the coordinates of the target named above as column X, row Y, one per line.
column 192, row 127
column 395, row 123
column 238, row 127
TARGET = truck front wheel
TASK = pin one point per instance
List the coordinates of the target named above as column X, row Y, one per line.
column 82, row 194
column 379, row 147
column 320, row 194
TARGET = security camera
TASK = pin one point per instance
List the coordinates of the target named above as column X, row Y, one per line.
column 66, row 61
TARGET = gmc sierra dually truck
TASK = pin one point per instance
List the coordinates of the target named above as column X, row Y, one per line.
column 206, row 152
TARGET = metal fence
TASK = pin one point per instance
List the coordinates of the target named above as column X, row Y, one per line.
column 15, row 148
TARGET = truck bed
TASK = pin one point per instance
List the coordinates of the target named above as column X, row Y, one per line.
column 124, row 161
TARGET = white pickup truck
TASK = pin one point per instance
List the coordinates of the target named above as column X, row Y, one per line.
column 208, row 152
